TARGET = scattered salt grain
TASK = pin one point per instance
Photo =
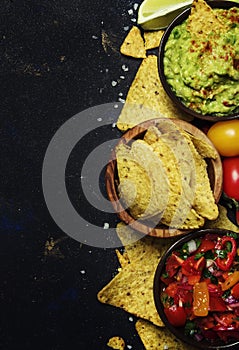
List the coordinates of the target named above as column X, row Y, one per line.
column 133, row 19
column 82, row 272
column 136, row 6
column 129, row 346
column 165, row 347
column 94, row 37
column 122, row 77
column 106, row 226
column 114, row 83
column 131, row 319
column 121, row 100
column 113, row 125
column 130, row 12
column 99, row 119
column 121, row 94
column 125, row 68
column 116, row 106
column 106, row 70
column 126, row 28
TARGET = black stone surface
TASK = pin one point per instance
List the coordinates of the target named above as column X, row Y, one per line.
column 54, row 64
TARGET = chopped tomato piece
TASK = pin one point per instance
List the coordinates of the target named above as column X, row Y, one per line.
column 172, row 289
column 185, row 295
column 176, row 315
column 192, row 279
column 167, row 280
column 235, row 291
column 216, row 303
column 191, row 266
column 207, row 322
column 206, row 245
column 172, row 264
column 214, row 289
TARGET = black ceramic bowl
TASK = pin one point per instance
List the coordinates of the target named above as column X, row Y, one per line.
column 159, row 286
column 176, row 100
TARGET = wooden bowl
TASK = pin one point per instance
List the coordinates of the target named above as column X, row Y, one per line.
column 111, row 179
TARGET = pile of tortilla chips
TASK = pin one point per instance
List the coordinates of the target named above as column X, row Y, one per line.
column 163, row 177
column 132, row 287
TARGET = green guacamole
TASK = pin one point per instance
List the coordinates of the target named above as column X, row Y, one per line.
column 204, row 72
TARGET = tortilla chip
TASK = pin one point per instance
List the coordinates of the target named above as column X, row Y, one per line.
column 192, row 167
column 204, row 202
column 143, row 182
column 222, row 221
column 203, row 148
column 159, row 338
column 179, row 212
column 146, row 98
column 116, row 343
column 132, row 290
column 122, row 258
column 141, row 249
column 152, row 39
column 145, row 155
column 133, row 44
column 203, row 20
column 130, row 191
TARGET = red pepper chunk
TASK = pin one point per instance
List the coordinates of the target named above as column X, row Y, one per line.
column 225, row 264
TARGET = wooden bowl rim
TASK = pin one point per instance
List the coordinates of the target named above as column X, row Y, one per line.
column 111, row 186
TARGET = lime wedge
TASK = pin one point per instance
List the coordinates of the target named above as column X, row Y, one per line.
column 157, row 14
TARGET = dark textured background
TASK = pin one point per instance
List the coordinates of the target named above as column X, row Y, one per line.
column 53, row 65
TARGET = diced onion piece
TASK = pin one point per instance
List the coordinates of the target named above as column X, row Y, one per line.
column 192, row 247
column 209, row 262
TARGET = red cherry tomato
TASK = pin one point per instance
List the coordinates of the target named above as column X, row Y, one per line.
column 225, row 135
column 231, row 176
column 176, row 315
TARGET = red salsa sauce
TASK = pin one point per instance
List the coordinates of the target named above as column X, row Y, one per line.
column 201, row 290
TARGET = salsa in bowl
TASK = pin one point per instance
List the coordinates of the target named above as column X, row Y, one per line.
column 199, row 60
column 196, row 289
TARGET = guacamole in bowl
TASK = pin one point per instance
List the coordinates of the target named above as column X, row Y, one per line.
column 199, row 60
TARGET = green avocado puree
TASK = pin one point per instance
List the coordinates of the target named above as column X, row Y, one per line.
column 204, row 72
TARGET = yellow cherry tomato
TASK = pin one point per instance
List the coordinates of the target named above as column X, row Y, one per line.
column 225, row 137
